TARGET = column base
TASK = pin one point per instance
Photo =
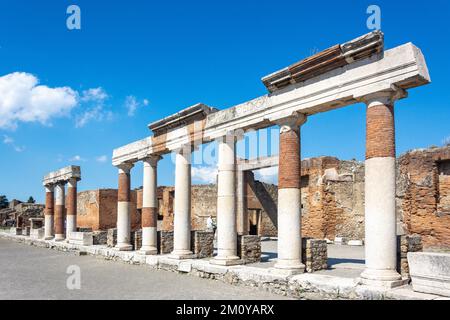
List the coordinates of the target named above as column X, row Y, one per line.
column 182, row 254
column 385, row 284
column 147, row 251
column 380, row 274
column 49, row 237
column 288, row 267
column 123, row 247
column 226, row 261
column 59, row 237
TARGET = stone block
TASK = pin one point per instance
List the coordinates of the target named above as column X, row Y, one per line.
column 165, row 242
column 100, row 237
column 26, row 231
column 202, row 243
column 136, row 239
column 16, row 231
column 111, row 238
column 81, row 238
column 314, row 254
column 340, row 240
column 36, row 223
column 37, row 233
column 355, row 243
column 249, row 248
column 405, row 244
column 430, row 272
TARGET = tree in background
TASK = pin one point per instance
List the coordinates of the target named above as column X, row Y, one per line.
column 31, row 200
column 4, row 203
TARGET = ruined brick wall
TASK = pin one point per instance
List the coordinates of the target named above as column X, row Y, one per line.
column 425, row 193
column 203, row 204
column 88, row 209
column 97, row 209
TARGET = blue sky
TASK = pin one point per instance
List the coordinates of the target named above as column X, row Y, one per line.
column 157, row 57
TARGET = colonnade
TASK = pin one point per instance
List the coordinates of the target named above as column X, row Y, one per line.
column 60, row 217
column 380, row 214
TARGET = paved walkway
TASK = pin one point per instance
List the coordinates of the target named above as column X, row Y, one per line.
column 29, row 272
column 343, row 261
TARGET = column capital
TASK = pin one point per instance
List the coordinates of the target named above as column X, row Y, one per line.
column 125, row 167
column 387, row 97
column 72, row 182
column 49, row 187
column 186, row 149
column 61, row 183
column 152, row 160
column 291, row 122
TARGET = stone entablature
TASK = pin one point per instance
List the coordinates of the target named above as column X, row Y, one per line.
column 399, row 68
column 329, row 59
column 64, row 174
column 197, row 112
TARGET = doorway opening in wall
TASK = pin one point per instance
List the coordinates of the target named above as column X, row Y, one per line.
column 254, row 221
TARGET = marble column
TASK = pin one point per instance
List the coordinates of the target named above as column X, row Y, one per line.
column 49, row 212
column 289, row 199
column 123, row 208
column 60, row 209
column 226, row 204
column 149, row 207
column 182, row 205
column 380, row 212
column 71, row 217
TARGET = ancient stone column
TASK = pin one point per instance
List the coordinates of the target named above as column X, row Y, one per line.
column 49, row 214
column 182, row 205
column 71, row 217
column 149, row 206
column 123, row 208
column 289, row 200
column 60, row 209
column 241, row 203
column 380, row 214
column 226, row 203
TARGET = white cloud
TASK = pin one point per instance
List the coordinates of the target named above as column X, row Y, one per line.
column 94, row 94
column 267, row 175
column 95, row 111
column 132, row 103
column 22, row 99
column 7, row 140
column 101, row 159
column 205, row 174
column 77, row 158
column 10, row 141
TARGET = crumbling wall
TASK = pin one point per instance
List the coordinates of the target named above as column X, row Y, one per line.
column 203, row 205
column 97, row 209
column 425, row 195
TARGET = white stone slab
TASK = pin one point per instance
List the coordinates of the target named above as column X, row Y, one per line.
column 430, row 272
column 63, row 174
column 355, row 243
column 37, row 233
column 81, row 238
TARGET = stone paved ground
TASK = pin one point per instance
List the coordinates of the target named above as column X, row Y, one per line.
column 28, row 272
column 343, row 261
